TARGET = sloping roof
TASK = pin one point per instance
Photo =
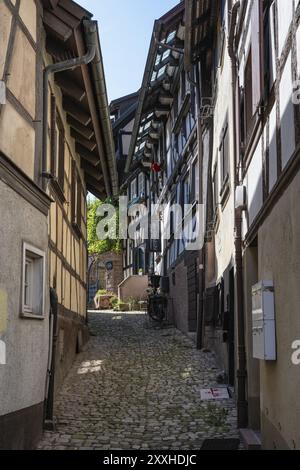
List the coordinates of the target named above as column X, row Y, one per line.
column 155, row 98
column 183, row 31
column 69, row 28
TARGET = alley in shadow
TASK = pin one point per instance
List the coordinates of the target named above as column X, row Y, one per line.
column 138, row 387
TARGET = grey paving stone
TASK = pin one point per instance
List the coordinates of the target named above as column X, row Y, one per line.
column 138, row 387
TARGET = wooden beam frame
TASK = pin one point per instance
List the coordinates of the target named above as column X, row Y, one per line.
column 66, row 82
column 85, row 131
column 89, row 144
column 72, row 108
column 88, row 156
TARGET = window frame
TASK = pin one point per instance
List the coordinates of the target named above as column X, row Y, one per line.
column 57, row 154
column 76, row 200
column 36, row 258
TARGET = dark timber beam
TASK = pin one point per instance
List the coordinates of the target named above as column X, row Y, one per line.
column 91, row 170
column 92, row 158
column 94, row 182
column 52, row 4
column 66, row 82
column 89, row 144
column 66, row 17
column 76, row 112
column 86, row 132
column 57, row 49
column 99, row 193
column 58, row 28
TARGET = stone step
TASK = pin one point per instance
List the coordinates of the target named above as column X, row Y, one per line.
column 251, row 439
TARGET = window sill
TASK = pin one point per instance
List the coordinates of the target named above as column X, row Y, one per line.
column 31, row 316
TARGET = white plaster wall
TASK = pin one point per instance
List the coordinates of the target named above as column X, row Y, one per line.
column 22, row 379
column 224, row 239
column 285, row 16
column 255, row 183
column 287, row 114
column 298, row 50
column 272, row 149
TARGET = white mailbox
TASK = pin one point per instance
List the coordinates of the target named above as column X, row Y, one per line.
column 263, row 321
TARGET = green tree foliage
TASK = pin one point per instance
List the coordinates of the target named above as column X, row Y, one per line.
column 96, row 246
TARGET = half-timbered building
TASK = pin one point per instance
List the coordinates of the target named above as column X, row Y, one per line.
column 56, row 144
column 266, row 55
column 170, row 138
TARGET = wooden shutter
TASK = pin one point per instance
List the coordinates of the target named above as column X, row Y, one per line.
column 225, row 153
column 79, row 201
column 257, row 52
column 53, row 136
column 61, row 154
column 73, row 192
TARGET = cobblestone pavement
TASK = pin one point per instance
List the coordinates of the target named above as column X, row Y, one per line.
column 138, row 387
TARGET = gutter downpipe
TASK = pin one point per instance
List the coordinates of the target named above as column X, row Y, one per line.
column 242, row 405
column 50, row 70
column 92, row 40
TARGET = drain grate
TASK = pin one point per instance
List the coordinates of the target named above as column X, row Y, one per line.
column 221, row 444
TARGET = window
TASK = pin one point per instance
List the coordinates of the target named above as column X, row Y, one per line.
column 183, row 86
column 221, row 34
column 269, row 46
column 133, row 190
column 248, row 101
column 141, row 185
column 33, row 282
column 186, row 190
column 76, row 199
column 194, row 181
column 216, row 187
column 57, row 162
column 224, row 152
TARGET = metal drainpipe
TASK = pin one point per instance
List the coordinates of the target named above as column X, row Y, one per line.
column 49, row 70
column 242, row 406
column 197, row 86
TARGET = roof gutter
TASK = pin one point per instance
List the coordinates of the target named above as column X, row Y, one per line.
column 92, row 39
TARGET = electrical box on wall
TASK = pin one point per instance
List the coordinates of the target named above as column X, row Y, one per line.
column 263, row 321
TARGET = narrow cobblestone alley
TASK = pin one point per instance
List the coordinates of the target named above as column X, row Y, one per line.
column 138, row 387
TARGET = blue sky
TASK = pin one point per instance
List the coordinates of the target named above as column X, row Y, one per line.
column 125, row 31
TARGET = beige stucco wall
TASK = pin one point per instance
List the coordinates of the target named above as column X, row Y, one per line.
column 17, row 135
column 22, row 72
column 5, row 25
column 27, row 13
column 224, row 239
column 279, row 247
column 134, row 287
column 17, row 140
column 26, row 340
